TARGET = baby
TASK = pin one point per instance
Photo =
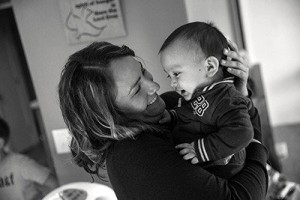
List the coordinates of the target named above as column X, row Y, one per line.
column 212, row 124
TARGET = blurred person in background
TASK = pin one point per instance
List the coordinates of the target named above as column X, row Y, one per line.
column 21, row 178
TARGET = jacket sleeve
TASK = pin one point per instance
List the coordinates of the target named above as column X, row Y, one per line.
column 234, row 130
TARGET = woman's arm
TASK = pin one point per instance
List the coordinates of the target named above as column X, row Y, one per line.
column 252, row 182
column 256, row 153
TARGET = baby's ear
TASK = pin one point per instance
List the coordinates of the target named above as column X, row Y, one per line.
column 212, row 66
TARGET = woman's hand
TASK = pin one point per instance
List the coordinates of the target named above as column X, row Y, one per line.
column 238, row 65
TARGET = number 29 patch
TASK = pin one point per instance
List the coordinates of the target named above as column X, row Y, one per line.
column 199, row 105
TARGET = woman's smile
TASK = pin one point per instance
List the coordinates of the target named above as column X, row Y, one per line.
column 156, row 106
column 153, row 100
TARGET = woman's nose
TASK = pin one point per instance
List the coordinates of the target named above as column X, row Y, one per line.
column 152, row 87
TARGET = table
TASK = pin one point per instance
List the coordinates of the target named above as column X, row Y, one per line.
column 85, row 191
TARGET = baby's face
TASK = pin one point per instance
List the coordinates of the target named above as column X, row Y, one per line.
column 185, row 68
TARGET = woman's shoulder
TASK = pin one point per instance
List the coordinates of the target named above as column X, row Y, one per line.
column 142, row 149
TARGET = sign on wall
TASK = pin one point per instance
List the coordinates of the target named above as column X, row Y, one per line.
column 91, row 20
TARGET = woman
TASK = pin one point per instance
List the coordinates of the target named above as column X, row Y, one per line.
column 110, row 104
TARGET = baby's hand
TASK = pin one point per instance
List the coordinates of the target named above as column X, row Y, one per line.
column 188, row 152
column 165, row 118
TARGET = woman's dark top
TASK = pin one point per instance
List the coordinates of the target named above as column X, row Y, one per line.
column 149, row 167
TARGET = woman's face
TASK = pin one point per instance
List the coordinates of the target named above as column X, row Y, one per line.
column 136, row 90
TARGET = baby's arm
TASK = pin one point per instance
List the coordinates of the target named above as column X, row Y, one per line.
column 235, row 131
column 188, row 152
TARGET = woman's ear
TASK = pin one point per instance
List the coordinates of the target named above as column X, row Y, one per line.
column 212, row 66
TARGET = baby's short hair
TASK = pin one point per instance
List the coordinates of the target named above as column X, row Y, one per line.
column 204, row 36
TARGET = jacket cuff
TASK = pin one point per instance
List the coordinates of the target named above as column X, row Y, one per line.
column 200, row 151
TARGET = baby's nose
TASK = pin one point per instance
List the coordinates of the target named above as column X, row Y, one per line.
column 173, row 83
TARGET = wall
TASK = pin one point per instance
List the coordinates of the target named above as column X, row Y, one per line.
column 272, row 36
column 215, row 11
column 147, row 23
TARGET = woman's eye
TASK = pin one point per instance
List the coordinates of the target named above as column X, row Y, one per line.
column 143, row 69
column 137, row 91
column 168, row 76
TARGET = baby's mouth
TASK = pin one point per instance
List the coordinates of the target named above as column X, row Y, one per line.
column 181, row 92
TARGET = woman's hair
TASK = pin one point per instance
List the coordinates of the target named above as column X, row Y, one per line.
column 204, row 36
column 4, row 130
column 87, row 101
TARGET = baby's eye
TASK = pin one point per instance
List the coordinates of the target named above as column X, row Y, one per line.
column 176, row 74
column 168, row 76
